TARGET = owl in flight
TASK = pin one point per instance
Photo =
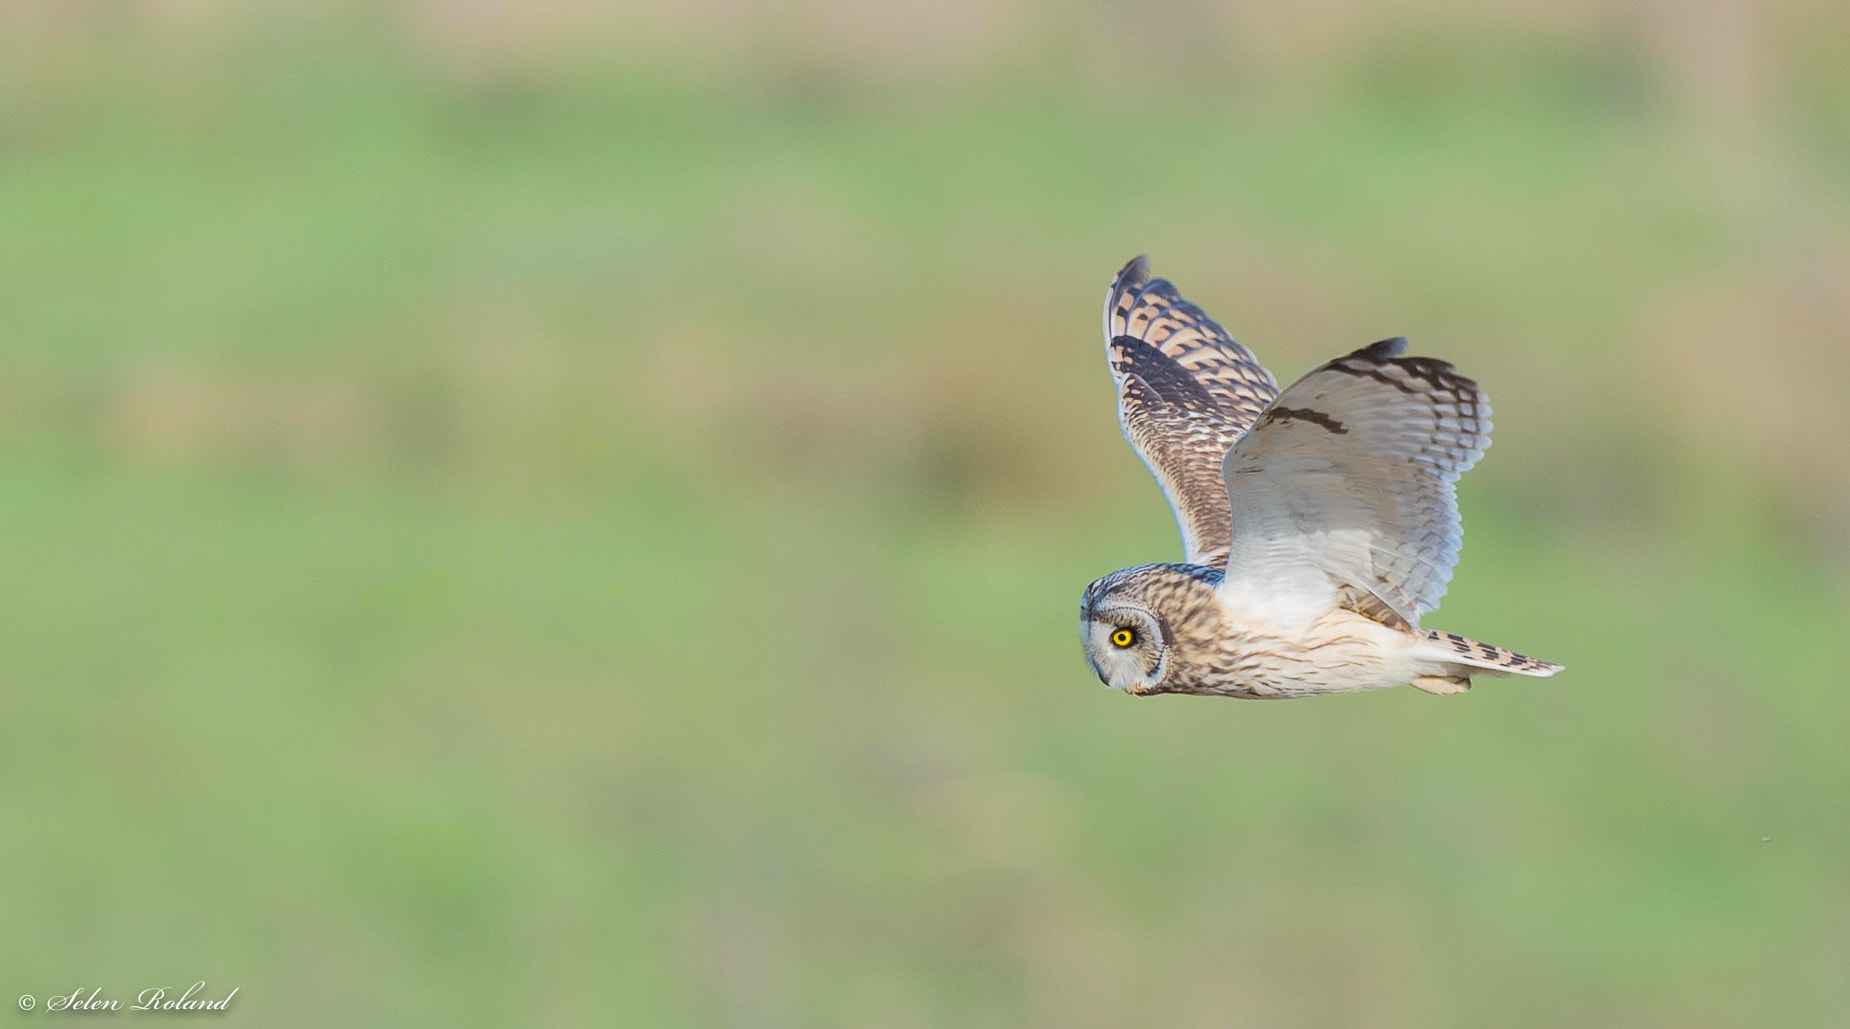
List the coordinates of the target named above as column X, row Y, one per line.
column 1319, row 523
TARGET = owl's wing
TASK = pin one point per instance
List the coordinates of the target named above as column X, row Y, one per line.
column 1343, row 489
column 1186, row 391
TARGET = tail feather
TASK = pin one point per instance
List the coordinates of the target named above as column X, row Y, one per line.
column 1464, row 650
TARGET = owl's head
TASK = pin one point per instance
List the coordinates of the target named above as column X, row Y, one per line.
column 1129, row 622
column 1125, row 646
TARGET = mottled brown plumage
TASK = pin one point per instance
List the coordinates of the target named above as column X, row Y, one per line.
column 1186, row 391
column 1319, row 524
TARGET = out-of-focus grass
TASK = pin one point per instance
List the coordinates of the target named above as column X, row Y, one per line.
column 523, row 539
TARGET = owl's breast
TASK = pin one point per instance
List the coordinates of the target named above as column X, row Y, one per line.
column 1342, row 652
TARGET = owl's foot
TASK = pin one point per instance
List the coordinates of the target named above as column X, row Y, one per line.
column 1442, row 685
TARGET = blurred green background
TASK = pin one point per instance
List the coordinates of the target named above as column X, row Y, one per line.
column 518, row 513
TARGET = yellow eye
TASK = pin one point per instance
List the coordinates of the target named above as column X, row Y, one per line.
column 1123, row 638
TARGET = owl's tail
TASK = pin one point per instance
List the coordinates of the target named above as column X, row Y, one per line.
column 1476, row 656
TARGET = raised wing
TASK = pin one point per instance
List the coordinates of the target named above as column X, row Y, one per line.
column 1343, row 490
column 1186, row 391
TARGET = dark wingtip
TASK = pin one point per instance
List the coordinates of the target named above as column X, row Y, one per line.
column 1132, row 276
column 1386, row 348
column 1135, row 272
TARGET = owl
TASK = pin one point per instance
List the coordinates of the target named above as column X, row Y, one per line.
column 1319, row 522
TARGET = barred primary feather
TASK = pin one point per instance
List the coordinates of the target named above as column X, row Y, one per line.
column 1186, row 391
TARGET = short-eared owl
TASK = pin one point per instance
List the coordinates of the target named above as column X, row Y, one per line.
column 1318, row 523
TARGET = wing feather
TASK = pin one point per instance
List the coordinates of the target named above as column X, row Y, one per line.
column 1186, row 391
column 1343, row 490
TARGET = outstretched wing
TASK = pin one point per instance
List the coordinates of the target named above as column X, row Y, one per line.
column 1186, row 391
column 1343, row 491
